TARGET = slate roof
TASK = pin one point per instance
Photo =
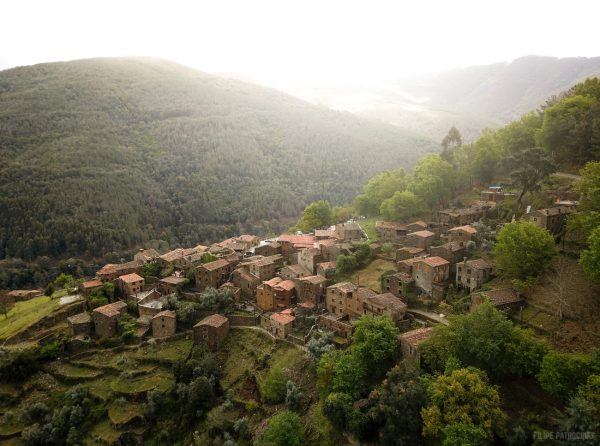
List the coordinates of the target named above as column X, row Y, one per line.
column 214, row 320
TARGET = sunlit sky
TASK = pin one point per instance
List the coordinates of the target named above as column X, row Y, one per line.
column 283, row 42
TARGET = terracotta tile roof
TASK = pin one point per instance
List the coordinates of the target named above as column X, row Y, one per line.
column 307, row 304
column 286, row 285
column 466, row 228
column 297, row 269
column 500, row 297
column 304, row 239
column 364, row 293
column 149, row 254
column 165, row 313
column 434, row 261
column 274, row 281
column 415, row 337
column 174, row 280
column 110, row 310
column 327, row 265
column 130, row 278
column 92, row 284
column 171, row 256
column 214, row 320
column 214, row 265
column 422, row 234
column 282, row 318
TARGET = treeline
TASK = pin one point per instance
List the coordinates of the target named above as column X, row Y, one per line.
column 564, row 133
column 104, row 155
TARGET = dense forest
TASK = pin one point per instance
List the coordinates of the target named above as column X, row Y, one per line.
column 103, row 155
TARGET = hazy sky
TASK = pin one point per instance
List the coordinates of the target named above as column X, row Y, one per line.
column 279, row 42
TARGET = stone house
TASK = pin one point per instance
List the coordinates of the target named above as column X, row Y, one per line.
column 504, row 299
column 420, row 239
column 345, row 298
column 213, row 274
column 348, row 231
column 462, row 233
column 146, row 255
column 291, row 244
column 417, row 226
column 266, row 268
column 164, row 324
column 453, row 252
column 275, row 293
column 150, row 308
column 245, row 281
column 170, row 258
column 472, row 274
column 326, row 269
column 430, row 274
column 171, row 284
column 281, row 324
column 495, row 194
column 309, row 258
column 338, row 324
column 331, row 251
column 552, row 219
column 130, row 284
column 462, row 216
column 406, row 266
column 112, row 271
column 88, row 287
column 409, row 343
column 211, row 330
column 294, row 271
column 268, row 249
column 385, row 304
column 391, row 231
column 409, row 252
column 80, row 324
column 398, row 284
column 324, row 234
column 311, row 289
column 106, row 317
column 21, row 295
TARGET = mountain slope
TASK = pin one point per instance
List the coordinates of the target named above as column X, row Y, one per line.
column 100, row 155
column 471, row 98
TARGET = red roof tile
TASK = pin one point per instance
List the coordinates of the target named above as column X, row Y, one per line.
column 434, row 261
column 282, row 318
column 214, row 320
column 130, row 278
column 91, row 284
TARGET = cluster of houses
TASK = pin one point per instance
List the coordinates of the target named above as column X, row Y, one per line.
column 293, row 275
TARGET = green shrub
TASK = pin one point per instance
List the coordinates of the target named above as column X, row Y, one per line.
column 273, row 387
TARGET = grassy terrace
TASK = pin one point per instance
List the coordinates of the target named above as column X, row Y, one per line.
column 26, row 313
column 370, row 274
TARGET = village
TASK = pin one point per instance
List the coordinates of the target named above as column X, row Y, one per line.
column 287, row 285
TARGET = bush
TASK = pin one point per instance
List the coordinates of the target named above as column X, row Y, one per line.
column 17, row 365
column 274, row 386
column 283, row 429
column 561, row 373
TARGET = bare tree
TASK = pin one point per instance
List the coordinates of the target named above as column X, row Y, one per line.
column 560, row 286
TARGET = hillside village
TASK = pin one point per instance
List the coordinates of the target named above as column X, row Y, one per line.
column 290, row 287
column 287, row 284
column 453, row 304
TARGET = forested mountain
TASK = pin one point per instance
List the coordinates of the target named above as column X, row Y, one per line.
column 101, row 155
column 470, row 98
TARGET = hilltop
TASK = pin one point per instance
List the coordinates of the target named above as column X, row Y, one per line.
column 101, row 155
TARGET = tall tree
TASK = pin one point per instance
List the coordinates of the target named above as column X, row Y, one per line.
column 451, row 142
column 528, row 168
column 523, row 250
column 316, row 215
